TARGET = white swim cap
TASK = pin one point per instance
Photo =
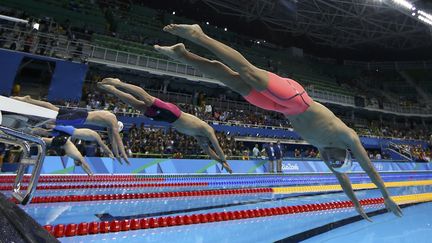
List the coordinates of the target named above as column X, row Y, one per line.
column 342, row 166
column 120, row 126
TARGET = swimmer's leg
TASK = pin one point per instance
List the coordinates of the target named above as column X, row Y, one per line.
column 130, row 89
column 29, row 100
column 126, row 98
column 255, row 77
column 222, row 73
column 211, row 68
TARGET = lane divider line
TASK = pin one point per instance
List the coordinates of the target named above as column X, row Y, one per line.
column 100, row 197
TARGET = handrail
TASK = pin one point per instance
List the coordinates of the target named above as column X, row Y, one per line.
column 24, row 140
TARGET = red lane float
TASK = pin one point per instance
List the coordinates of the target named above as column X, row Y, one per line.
column 169, row 221
column 105, row 197
column 100, row 186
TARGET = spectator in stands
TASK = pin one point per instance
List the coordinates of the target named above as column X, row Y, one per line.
column 297, row 153
column 256, row 152
column 278, row 156
column 270, row 151
column 378, row 156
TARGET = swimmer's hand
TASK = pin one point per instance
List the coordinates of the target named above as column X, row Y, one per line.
column 360, row 210
column 393, row 207
column 85, row 166
column 227, row 167
column 126, row 160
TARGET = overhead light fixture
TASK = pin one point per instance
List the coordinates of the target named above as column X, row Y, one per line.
column 426, row 15
column 404, row 3
column 426, row 20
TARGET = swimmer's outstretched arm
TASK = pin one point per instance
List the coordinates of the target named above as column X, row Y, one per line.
column 345, row 183
column 40, row 132
column 210, row 134
column 360, row 154
column 203, row 143
column 109, row 120
column 75, row 154
column 92, row 136
column 29, row 100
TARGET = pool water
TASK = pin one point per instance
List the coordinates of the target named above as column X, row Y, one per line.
column 157, row 196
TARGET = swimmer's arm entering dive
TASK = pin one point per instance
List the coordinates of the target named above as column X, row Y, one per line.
column 203, row 143
column 92, row 136
column 345, row 183
column 75, row 154
column 210, row 134
column 361, row 156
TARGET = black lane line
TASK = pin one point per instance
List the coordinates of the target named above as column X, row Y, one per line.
column 334, row 225
column 109, row 217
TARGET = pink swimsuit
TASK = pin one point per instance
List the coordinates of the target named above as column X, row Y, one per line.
column 283, row 95
column 163, row 111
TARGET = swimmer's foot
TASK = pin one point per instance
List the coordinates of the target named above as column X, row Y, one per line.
column 22, row 98
column 176, row 51
column 227, row 167
column 190, row 32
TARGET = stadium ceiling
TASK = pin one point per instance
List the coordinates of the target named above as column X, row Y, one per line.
column 336, row 23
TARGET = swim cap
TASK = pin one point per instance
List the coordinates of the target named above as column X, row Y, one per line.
column 59, row 140
column 342, row 166
column 120, row 126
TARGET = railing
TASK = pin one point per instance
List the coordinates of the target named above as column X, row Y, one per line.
column 402, row 151
column 85, row 51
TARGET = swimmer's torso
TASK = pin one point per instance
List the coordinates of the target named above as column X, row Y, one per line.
column 190, row 125
column 320, row 127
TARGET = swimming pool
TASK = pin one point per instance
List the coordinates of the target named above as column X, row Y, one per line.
column 228, row 208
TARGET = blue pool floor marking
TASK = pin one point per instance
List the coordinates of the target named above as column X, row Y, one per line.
column 337, row 224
